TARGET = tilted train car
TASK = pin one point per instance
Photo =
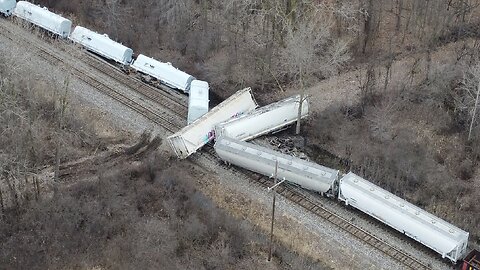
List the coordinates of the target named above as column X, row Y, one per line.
column 7, row 7
column 431, row 231
column 164, row 72
column 262, row 160
column 192, row 137
column 263, row 120
column 198, row 100
column 102, row 45
column 43, row 18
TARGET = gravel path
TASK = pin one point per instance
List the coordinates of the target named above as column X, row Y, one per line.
column 295, row 226
column 84, row 95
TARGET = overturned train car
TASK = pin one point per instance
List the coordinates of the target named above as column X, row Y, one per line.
column 192, row 137
column 267, row 119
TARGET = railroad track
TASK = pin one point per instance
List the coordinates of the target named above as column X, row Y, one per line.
column 287, row 191
column 292, row 194
column 158, row 118
column 150, row 114
column 161, row 95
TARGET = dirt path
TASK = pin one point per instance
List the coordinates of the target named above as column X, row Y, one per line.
column 344, row 89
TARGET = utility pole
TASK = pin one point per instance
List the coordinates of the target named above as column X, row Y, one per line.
column 273, row 209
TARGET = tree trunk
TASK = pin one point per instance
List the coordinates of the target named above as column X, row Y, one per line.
column 63, row 107
column 367, row 26
column 1, row 201
column 299, row 116
column 399, row 15
column 474, row 113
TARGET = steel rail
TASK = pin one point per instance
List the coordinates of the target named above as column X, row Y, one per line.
column 287, row 191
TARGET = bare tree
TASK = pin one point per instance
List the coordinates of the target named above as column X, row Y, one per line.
column 469, row 95
column 310, row 48
column 62, row 107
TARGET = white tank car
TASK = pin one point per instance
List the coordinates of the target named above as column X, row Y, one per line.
column 433, row 232
column 164, row 72
column 264, row 120
column 198, row 100
column 102, row 45
column 262, row 160
column 7, row 7
column 192, row 137
column 43, row 18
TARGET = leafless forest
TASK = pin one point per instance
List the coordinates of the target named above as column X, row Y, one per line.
column 413, row 129
column 417, row 136
column 127, row 209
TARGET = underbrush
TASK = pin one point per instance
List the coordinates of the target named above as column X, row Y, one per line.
column 411, row 142
column 40, row 128
column 144, row 215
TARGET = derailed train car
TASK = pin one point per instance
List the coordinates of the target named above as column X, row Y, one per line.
column 7, row 7
column 260, row 159
column 431, row 231
column 198, row 100
column 164, row 72
column 442, row 237
column 263, row 120
column 102, row 45
column 192, row 137
column 43, row 18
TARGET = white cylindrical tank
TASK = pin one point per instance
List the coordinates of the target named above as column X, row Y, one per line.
column 102, row 45
column 164, row 72
column 198, row 100
column 43, row 18
column 7, row 7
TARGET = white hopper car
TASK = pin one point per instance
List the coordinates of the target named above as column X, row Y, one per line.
column 163, row 72
column 264, row 120
column 192, row 137
column 98, row 43
column 431, row 231
column 7, row 7
column 262, row 160
column 197, row 101
column 43, row 18
column 102, row 45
